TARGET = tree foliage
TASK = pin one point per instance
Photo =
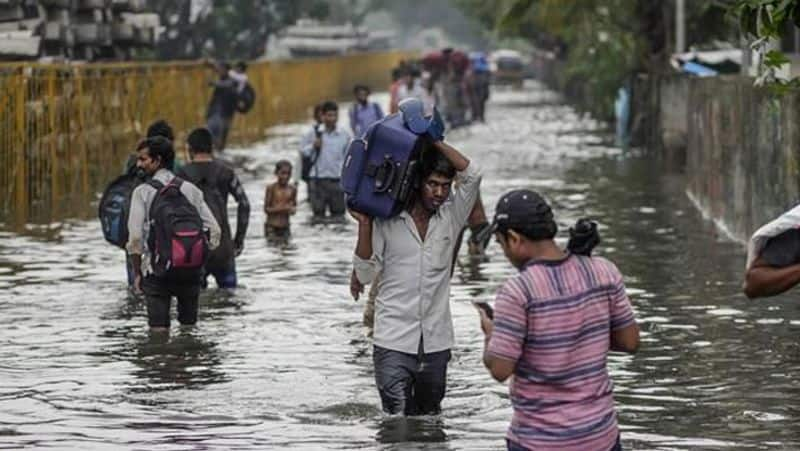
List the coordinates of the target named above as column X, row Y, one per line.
column 763, row 22
column 602, row 42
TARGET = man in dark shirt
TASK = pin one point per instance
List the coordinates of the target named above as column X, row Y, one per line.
column 217, row 181
column 222, row 106
column 777, row 268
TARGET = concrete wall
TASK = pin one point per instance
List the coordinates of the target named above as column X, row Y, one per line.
column 743, row 159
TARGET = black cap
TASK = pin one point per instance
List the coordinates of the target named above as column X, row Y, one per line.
column 526, row 212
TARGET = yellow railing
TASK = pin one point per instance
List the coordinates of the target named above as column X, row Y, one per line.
column 66, row 130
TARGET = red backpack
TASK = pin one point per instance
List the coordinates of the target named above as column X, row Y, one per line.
column 177, row 242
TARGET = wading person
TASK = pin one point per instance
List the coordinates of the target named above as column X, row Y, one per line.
column 554, row 324
column 167, row 226
column 327, row 148
column 413, row 252
column 363, row 113
column 773, row 257
column 222, row 106
column 218, row 181
column 280, row 202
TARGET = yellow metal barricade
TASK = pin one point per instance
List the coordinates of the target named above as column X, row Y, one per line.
column 66, row 130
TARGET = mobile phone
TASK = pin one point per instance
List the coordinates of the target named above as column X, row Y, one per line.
column 486, row 308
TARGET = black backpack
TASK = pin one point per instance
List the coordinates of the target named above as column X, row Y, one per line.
column 246, row 99
column 177, row 242
column 307, row 163
column 114, row 207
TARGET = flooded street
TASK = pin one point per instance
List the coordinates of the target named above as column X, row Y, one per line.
column 283, row 362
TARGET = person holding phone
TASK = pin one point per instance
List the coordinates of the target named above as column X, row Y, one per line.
column 554, row 324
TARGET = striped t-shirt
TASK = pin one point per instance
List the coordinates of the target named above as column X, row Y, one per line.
column 554, row 319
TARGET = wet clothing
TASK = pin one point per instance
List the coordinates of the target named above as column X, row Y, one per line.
column 222, row 179
column 362, row 116
column 221, row 109
column 224, row 275
column 331, row 154
column 223, row 99
column 139, row 216
column 326, row 195
column 554, row 321
column 783, row 250
column 411, row 384
column 158, row 295
column 272, row 232
column 512, row 446
column 414, row 289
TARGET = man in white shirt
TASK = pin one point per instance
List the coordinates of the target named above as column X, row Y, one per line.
column 156, row 158
column 327, row 148
column 414, row 252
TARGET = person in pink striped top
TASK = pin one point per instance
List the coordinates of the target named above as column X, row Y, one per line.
column 553, row 326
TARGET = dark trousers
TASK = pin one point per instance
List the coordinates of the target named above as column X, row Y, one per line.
column 219, row 127
column 512, row 446
column 159, row 293
column 411, row 384
column 326, row 195
column 223, row 274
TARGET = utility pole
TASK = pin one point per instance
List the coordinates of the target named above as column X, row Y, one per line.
column 680, row 26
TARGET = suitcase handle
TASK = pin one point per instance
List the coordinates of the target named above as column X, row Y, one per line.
column 384, row 175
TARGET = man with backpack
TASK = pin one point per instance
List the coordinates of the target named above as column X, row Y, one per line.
column 217, row 181
column 326, row 146
column 363, row 113
column 171, row 230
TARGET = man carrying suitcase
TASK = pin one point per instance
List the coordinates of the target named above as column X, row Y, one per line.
column 413, row 327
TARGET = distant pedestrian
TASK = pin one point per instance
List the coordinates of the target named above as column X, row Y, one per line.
column 168, row 225
column 363, row 113
column 552, row 328
column 327, row 147
column 399, row 78
column 222, row 106
column 217, row 180
column 280, row 202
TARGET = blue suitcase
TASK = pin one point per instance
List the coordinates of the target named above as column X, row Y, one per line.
column 379, row 169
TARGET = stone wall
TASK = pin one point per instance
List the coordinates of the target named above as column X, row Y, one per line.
column 742, row 152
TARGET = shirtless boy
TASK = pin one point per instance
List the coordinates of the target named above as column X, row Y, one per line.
column 280, row 202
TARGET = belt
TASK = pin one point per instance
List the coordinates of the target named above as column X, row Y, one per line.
column 325, row 179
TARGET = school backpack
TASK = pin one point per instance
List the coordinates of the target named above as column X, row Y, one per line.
column 114, row 207
column 246, row 99
column 177, row 242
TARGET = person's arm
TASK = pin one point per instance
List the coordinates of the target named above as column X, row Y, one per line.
column 469, row 181
column 267, row 199
column 309, row 143
column 378, row 110
column 504, row 338
column 242, row 211
column 135, row 245
column 624, row 330
column 293, row 208
column 353, row 119
column 368, row 256
column 763, row 280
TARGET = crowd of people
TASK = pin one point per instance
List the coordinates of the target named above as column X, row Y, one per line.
column 552, row 325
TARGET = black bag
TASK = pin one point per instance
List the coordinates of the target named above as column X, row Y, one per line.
column 177, row 242
column 246, row 99
column 114, row 207
column 307, row 162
